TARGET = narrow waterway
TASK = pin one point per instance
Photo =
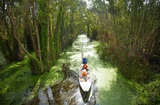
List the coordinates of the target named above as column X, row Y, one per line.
column 108, row 88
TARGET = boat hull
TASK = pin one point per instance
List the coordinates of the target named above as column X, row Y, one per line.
column 85, row 85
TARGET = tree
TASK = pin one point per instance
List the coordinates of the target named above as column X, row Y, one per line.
column 41, row 27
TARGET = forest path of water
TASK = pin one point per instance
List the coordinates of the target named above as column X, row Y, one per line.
column 112, row 89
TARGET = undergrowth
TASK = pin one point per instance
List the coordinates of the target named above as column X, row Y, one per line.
column 141, row 78
column 16, row 80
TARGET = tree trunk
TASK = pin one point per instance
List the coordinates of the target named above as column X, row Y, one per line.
column 37, row 36
column 48, row 45
column 18, row 52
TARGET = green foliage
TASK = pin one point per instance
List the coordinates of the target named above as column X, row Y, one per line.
column 153, row 92
column 57, row 32
column 13, row 67
column 35, row 90
column 130, row 68
column 15, row 83
column 147, row 94
column 138, row 74
column 130, row 30
column 54, row 29
column 16, row 79
column 54, row 76
column 34, row 65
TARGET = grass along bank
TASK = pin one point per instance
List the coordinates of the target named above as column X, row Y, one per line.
column 16, row 80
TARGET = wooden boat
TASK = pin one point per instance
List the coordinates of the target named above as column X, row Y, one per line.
column 86, row 83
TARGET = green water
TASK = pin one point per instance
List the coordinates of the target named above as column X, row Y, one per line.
column 112, row 87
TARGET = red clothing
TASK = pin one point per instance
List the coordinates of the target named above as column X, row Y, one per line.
column 84, row 66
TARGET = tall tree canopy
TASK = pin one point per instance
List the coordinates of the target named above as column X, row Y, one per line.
column 130, row 28
column 45, row 27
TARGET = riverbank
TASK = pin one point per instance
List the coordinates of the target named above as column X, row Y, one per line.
column 143, row 81
column 17, row 81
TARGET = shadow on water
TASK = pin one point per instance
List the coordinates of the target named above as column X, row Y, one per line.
column 67, row 92
column 85, row 95
column 70, row 93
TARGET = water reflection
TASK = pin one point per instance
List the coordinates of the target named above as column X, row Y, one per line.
column 43, row 100
column 70, row 94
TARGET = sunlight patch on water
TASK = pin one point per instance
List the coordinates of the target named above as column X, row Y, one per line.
column 105, row 77
column 76, row 57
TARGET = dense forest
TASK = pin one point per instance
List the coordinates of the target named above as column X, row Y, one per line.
column 44, row 27
column 128, row 32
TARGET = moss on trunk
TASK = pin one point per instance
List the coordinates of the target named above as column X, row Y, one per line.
column 34, row 65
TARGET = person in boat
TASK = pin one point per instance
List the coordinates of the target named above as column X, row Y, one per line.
column 85, row 66
column 84, row 75
column 84, row 60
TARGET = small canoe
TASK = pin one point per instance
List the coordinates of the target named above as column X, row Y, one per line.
column 85, row 84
